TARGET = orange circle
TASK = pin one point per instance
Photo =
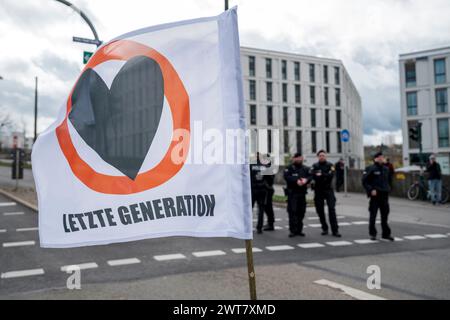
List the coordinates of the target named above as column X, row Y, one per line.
column 178, row 100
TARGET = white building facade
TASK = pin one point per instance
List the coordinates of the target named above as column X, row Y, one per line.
column 424, row 87
column 303, row 103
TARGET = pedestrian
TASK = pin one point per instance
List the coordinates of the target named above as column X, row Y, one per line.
column 376, row 183
column 259, row 192
column 322, row 173
column 340, row 168
column 391, row 170
column 434, row 179
column 297, row 178
column 269, row 179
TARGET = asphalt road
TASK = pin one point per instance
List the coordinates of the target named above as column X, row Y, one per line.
column 315, row 267
column 5, row 178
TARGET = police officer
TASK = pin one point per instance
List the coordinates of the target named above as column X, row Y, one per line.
column 297, row 178
column 269, row 179
column 322, row 173
column 376, row 182
column 259, row 191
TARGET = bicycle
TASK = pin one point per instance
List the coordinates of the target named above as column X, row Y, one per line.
column 421, row 188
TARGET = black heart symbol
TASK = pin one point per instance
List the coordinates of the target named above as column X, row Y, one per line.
column 120, row 123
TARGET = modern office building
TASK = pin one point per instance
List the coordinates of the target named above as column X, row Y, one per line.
column 304, row 103
column 424, row 88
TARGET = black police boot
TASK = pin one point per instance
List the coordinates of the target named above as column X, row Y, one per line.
column 269, row 228
column 388, row 238
column 301, row 234
column 324, row 233
column 259, row 231
column 337, row 234
column 291, row 235
column 373, row 238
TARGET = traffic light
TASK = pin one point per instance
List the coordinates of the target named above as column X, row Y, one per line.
column 415, row 132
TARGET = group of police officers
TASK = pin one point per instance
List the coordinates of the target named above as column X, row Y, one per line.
column 319, row 177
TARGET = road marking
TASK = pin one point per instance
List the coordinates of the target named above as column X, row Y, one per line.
column 399, row 239
column 22, row 273
column 278, row 228
column 7, row 204
column 13, row 213
column 121, row 262
column 287, row 227
column 436, row 236
column 414, row 237
column 339, row 243
column 279, row 248
column 2, row 230
column 82, row 266
column 315, row 225
column 278, row 219
column 310, row 245
column 18, row 244
column 352, row 292
column 27, row 229
column 340, row 217
column 200, row 254
column 242, row 250
column 165, row 257
column 313, row 218
column 343, row 224
column 360, row 222
column 366, row 241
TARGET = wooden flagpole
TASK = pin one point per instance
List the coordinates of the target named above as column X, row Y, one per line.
column 251, row 269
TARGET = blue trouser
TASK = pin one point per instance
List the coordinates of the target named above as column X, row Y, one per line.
column 435, row 187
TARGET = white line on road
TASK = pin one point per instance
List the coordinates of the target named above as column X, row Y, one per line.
column 315, row 225
column 436, row 236
column 278, row 219
column 82, row 266
column 18, row 244
column 165, row 257
column 313, row 218
column 310, row 245
column 339, row 243
column 121, row 262
column 22, row 273
column 7, row 204
column 343, row 224
column 13, row 213
column 2, row 230
column 27, row 229
column 278, row 228
column 352, row 292
column 398, row 239
column 366, row 241
column 242, row 250
column 200, row 254
column 414, row 237
column 279, row 248
column 360, row 222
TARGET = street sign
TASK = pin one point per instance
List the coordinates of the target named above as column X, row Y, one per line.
column 88, row 41
column 86, row 56
column 345, row 135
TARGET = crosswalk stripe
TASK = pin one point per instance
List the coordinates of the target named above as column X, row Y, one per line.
column 18, row 244
column 365, row 241
column 360, row 222
column 278, row 228
column 81, row 266
column 398, row 239
column 13, row 213
column 200, row 254
column 315, row 225
column 279, row 248
column 338, row 243
column 242, row 250
column 310, row 245
column 343, row 224
column 436, row 236
column 2, row 230
column 27, row 229
column 414, row 237
column 7, row 204
column 21, row 273
column 166, row 257
column 121, row 262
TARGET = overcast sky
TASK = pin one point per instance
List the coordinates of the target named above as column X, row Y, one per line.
column 367, row 35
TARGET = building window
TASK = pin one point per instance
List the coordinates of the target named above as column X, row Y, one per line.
column 251, row 66
column 412, row 143
column 299, row 141
column 253, row 114
column 252, row 85
column 313, row 118
column 298, row 95
column 312, row 72
column 410, row 74
column 439, row 71
column 312, row 94
column 338, row 119
column 297, row 71
column 337, row 76
column 313, row 141
column 441, row 100
column 325, row 74
column 285, row 116
column 269, row 115
column 411, row 103
column 269, row 141
column 327, row 141
column 286, row 141
column 338, row 97
column 326, row 96
column 269, row 91
column 327, row 118
column 285, row 92
column 339, row 142
column 284, row 69
column 268, row 68
column 443, row 133
column 298, row 117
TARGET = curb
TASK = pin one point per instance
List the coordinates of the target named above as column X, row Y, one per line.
column 19, row 200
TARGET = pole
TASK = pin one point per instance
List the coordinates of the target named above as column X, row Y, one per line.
column 226, row 5
column 251, row 269
column 35, row 108
column 17, row 168
column 345, row 169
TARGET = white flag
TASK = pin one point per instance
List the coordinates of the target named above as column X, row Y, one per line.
column 150, row 142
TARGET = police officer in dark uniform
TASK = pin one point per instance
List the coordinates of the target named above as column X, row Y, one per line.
column 376, row 182
column 297, row 178
column 269, row 179
column 322, row 173
column 259, row 190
